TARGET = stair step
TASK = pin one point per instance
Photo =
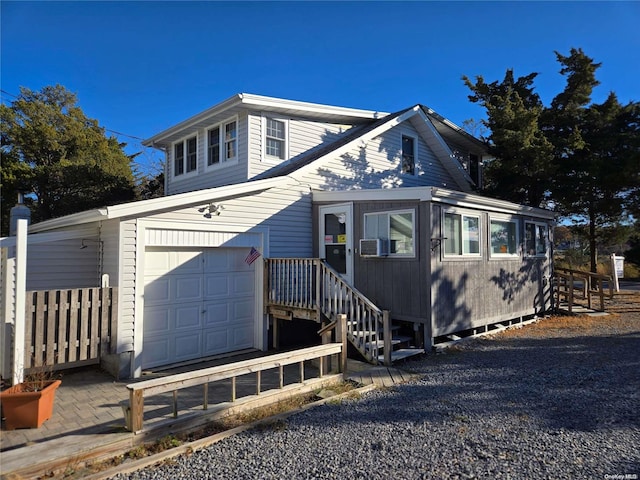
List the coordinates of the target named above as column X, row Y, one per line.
column 394, row 341
column 353, row 323
column 402, row 353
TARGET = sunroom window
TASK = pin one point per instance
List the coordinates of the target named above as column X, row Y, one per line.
column 462, row 234
column 536, row 235
column 504, row 237
column 396, row 227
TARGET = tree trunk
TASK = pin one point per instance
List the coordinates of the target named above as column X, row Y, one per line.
column 592, row 240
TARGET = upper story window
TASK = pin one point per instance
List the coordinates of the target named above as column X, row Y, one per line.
column 396, row 227
column 536, row 235
column 504, row 237
column 462, row 234
column 222, row 143
column 185, row 156
column 275, row 139
column 408, row 154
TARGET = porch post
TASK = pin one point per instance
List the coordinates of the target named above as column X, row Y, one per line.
column 19, row 302
column 386, row 331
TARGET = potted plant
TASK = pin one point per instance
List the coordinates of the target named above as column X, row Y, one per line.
column 30, row 403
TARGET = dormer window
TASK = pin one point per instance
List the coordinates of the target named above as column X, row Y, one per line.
column 185, row 156
column 275, row 139
column 408, row 155
column 222, row 143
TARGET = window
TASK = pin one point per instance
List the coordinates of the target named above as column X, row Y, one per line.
column 230, row 140
column 213, row 157
column 462, row 234
column 408, row 155
column 185, row 156
column 536, row 235
column 222, row 143
column 275, row 138
column 504, row 237
column 396, row 227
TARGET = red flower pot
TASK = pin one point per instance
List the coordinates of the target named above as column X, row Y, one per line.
column 22, row 407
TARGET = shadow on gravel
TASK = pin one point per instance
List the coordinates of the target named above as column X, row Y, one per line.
column 580, row 384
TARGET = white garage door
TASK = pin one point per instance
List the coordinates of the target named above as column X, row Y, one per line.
column 197, row 303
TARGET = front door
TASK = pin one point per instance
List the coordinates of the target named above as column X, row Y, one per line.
column 336, row 239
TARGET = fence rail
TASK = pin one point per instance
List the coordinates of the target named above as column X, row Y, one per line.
column 69, row 327
column 572, row 285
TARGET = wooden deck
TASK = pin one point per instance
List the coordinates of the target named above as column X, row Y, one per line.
column 378, row 375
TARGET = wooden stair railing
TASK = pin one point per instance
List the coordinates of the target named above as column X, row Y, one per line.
column 310, row 285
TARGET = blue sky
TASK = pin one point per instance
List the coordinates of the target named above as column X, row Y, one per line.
column 139, row 67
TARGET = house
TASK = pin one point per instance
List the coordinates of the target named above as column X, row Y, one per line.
column 387, row 199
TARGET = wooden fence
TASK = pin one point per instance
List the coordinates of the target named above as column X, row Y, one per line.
column 66, row 328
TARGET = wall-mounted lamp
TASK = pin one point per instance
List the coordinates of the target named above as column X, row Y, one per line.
column 211, row 209
column 83, row 243
column 436, row 242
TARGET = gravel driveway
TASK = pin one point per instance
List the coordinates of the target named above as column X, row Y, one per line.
column 558, row 399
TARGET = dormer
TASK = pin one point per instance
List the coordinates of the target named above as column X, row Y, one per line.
column 245, row 136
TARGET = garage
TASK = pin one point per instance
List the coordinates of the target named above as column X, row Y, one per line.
column 198, row 302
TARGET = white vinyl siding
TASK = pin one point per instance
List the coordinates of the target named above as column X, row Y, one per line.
column 63, row 264
column 303, row 137
column 377, row 164
column 208, row 177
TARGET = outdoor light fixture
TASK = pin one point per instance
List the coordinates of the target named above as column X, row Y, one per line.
column 436, row 242
column 211, row 209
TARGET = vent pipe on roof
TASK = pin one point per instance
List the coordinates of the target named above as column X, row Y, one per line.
column 20, row 211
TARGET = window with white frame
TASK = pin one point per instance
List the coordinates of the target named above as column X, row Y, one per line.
column 397, row 227
column 536, row 236
column 408, row 154
column 222, row 143
column 185, row 156
column 275, row 139
column 504, row 237
column 462, row 234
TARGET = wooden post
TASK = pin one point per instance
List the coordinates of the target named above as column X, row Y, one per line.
column 341, row 337
column 20, row 292
column 326, row 338
column 233, row 389
column 275, row 333
column 136, row 404
column 318, row 302
column 386, row 331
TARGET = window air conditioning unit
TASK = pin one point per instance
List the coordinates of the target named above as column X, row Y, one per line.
column 374, row 247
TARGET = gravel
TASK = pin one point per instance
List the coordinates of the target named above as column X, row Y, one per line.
column 557, row 399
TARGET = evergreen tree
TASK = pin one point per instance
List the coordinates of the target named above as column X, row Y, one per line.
column 61, row 159
column 523, row 156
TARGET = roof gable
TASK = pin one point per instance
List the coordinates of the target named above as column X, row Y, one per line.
column 424, row 126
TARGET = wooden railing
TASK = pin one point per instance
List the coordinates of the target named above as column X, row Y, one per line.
column 66, row 328
column 310, row 283
column 172, row 383
column 573, row 285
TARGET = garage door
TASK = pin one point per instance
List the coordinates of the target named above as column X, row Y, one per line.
column 197, row 303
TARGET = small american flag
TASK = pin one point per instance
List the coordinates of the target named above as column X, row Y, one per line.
column 253, row 256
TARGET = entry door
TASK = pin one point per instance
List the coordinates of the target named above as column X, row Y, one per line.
column 336, row 239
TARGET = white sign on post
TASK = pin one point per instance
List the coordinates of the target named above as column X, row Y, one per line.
column 617, row 267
